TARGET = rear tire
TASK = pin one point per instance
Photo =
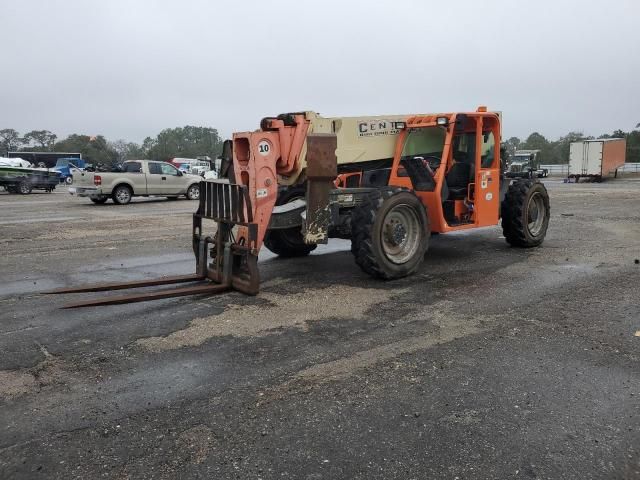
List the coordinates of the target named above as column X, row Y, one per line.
column 289, row 242
column 99, row 200
column 24, row 188
column 390, row 233
column 525, row 214
column 122, row 195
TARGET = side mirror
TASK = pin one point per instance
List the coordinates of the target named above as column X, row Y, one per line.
column 179, row 173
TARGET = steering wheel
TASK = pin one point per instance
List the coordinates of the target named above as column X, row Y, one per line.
column 432, row 161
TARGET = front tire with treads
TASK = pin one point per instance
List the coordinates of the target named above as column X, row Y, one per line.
column 525, row 214
column 288, row 242
column 193, row 192
column 390, row 233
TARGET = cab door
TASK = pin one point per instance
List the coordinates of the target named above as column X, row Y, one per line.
column 164, row 179
column 487, row 180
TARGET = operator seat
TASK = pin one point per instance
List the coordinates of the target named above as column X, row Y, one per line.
column 458, row 180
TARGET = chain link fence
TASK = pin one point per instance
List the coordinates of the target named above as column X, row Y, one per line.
column 562, row 170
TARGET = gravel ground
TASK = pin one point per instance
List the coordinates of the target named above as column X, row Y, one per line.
column 491, row 362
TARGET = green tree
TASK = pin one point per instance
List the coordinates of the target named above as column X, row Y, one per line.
column 188, row 142
column 512, row 144
column 43, row 139
column 127, row 150
column 535, row 141
column 618, row 134
column 93, row 149
column 633, row 146
column 10, row 140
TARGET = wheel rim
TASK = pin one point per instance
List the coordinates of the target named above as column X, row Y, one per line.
column 123, row 195
column 536, row 214
column 24, row 188
column 194, row 193
column 401, row 234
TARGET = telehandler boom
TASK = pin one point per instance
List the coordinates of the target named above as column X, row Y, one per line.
column 387, row 183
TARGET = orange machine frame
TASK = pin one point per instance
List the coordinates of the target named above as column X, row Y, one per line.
column 260, row 156
column 485, row 199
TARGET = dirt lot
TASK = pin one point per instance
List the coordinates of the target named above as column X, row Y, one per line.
column 492, row 362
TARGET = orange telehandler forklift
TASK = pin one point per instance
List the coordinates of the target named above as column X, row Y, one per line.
column 385, row 183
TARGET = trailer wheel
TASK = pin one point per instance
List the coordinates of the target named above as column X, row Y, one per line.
column 24, row 188
column 288, row 242
column 68, row 180
column 525, row 214
column 390, row 233
column 122, row 195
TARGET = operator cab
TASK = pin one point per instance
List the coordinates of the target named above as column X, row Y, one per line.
column 451, row 164
column 449, row 161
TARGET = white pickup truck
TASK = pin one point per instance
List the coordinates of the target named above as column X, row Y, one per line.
column 138, row 178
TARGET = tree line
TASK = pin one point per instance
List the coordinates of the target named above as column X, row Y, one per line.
column 186, row 142
column 191, row 142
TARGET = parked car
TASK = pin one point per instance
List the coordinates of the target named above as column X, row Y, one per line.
column 65, row 166
column 142, row 178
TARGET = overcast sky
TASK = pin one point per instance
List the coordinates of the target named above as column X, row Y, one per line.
column 127, row 69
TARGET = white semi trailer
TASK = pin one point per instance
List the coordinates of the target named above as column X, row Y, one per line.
column 596, row 159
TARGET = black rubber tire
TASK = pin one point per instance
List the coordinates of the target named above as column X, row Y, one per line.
column 24, row 188
column 367, row 221
column 288, row 243
column 515, row 214
column 193, row 192
column 99, row 200
column 121, row 200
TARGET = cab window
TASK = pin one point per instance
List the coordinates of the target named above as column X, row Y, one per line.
column 154, row 168
column 464, row 148
column 132, row 167
column 421, row 156
column 168, row 169
column 424, row 142
column 488, row 150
